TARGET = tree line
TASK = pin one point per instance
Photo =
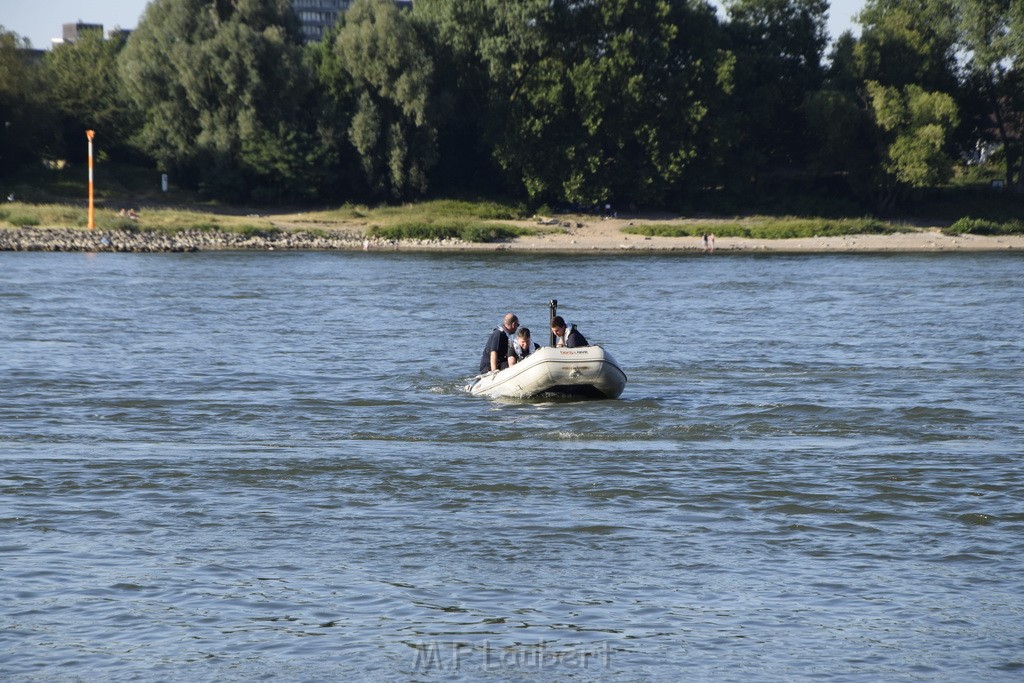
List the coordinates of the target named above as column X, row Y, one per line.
column 642, row 102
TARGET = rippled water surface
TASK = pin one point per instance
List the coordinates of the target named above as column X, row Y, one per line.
column 263, row 465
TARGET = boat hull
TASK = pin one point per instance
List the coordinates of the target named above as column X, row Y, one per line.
column 585, row 372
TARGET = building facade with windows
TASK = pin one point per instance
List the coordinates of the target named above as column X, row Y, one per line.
column 316, row 16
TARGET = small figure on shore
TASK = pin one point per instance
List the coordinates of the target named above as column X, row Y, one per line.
column 366, row 244
column 704, row 236
column 495, row 355
column 568, row 337
column 521, row 346
column 712, row 243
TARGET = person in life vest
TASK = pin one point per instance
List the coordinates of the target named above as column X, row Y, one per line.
column 521, row 346
column 568, row 337
column 495, row 355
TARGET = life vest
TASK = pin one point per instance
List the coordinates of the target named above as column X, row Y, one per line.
column 564, row 339
column 519, row 352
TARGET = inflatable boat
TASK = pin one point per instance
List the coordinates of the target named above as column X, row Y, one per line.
column 585, row 372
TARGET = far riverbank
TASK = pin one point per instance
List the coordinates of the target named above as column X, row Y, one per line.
column 569, row 236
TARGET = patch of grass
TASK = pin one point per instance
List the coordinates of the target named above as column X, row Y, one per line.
column 466, row 230
column 451, row 208
column 770, row 228
column 20, row 219
column 980, row 226
column 18, row 214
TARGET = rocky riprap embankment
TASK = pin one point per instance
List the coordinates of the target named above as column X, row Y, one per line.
column 67, row 239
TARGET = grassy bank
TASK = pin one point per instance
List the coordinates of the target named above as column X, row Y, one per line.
column 759, row 227
column 769, row 228
column 18, row 214
column 434, row 220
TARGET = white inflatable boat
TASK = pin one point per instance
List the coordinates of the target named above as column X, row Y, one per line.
column 586, row 371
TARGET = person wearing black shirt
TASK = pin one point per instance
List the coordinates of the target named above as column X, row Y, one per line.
column 495, row 355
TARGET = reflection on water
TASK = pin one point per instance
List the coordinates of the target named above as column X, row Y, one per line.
column 250, row 465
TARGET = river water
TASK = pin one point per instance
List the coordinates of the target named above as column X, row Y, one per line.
column 242, row 466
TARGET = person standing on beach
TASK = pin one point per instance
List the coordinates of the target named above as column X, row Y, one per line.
column 568, row 337
column 495, row 355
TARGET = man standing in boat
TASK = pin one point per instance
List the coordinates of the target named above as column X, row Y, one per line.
column 521, row 346
column 495, row 356
column 569, row 338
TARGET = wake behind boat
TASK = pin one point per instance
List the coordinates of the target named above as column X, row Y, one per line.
column 585, row 372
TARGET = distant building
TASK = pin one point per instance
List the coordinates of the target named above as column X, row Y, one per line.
column 316, row 16
column 72, row 32
column 119, row 33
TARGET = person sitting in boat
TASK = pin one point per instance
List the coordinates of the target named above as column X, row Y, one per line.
column 521, row 346
column 568, row 337
column 495, row 355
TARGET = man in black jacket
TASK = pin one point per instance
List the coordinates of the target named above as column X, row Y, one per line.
column 495, row 356
column 568, row 338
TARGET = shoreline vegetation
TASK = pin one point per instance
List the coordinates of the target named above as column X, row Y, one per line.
column 453, row 225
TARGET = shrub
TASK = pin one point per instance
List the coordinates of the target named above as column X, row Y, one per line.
column 980, row 226
column 257, row 231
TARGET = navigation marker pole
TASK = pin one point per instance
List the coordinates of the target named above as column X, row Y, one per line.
column 92, row 210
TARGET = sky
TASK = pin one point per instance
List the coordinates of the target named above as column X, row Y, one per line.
column 41, row 20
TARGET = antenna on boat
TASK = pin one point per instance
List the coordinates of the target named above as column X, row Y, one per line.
column 552, row 312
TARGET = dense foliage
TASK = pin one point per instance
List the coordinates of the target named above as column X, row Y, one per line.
column 628, row 102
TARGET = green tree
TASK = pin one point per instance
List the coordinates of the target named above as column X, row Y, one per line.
column 526, row 49
column 779, row 47
column 916, row 126
column 908, row 42
column 388, row 73
column 886, row 120
column 594, row 102
column 452, row 32
column 84, row 86
column 26, row 125
column 991, row 38
column 220, row 84
column 643, row 87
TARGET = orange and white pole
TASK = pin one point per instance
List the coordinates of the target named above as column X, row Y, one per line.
column 92, row 209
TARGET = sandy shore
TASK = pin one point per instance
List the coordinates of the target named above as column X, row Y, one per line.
column 590, row 234
column 569, row 234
